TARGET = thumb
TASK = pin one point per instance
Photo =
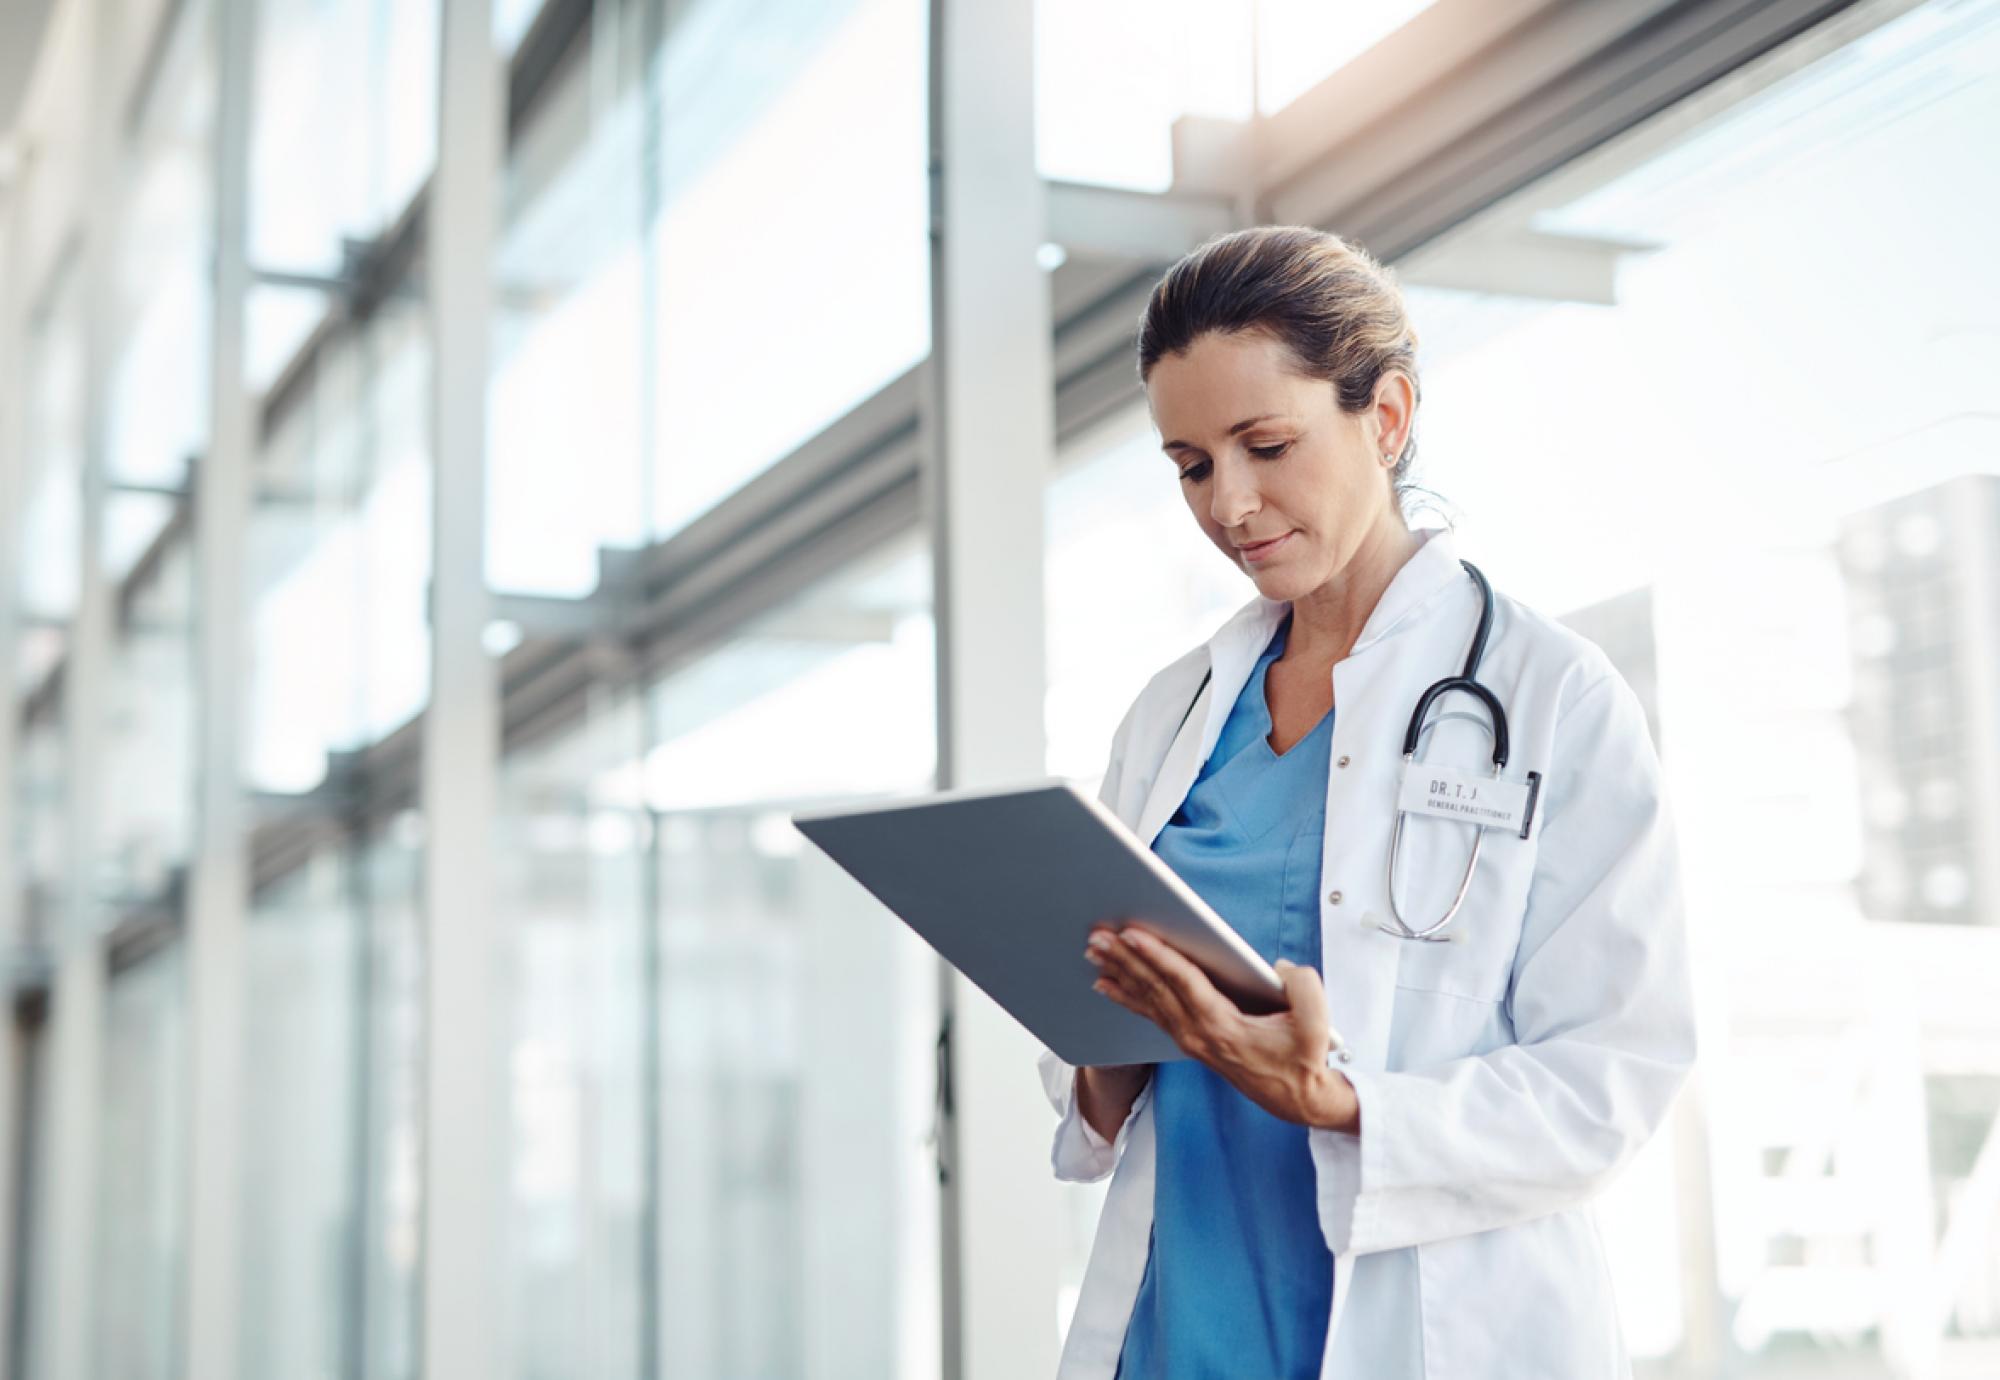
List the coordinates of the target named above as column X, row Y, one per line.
column 1307, row 996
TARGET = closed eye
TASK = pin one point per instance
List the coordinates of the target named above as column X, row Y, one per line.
column 1199, row 470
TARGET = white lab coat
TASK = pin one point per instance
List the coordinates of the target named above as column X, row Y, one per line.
column 1503, row 1080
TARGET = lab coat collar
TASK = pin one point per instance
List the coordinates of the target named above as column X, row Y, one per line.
column 1432, row 567
column 1236, row 645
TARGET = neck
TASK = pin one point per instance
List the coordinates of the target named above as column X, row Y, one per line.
column 1327, row 622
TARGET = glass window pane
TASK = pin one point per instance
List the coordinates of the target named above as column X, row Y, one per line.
column 1112, row 76
column 157, row 417
column 40, row 827
column 346, row 126
column 571, row 881
column 790, row 274
column 330, row 1197
column 340, row 547
column 45, row 578
column 156, row 426
column 796, row 1017
column 1119, row 525
column 391, row 1107
column 145, row 832
column 635, row 385
column 1301, row 42
column 304, row 954
column 141, row 1214
column 29, row 1249
column 565, row 465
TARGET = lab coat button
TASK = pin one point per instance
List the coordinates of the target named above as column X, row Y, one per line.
column 1345, row 1057
column 1334, row 897
column 1344, row 759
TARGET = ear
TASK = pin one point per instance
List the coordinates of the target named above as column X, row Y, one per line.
column 1394, row 411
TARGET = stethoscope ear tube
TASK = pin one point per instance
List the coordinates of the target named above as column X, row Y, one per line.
column 1471, row 687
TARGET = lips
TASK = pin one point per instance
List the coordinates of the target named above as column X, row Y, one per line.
column 1257, row 551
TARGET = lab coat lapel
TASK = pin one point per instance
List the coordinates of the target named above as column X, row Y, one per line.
column 1431, row 567
column 1375, row 687
column 1371, row 712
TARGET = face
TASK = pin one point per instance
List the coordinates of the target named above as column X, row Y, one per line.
column 1263, row 452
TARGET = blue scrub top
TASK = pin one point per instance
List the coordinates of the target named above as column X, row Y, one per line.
column 1238, row 1277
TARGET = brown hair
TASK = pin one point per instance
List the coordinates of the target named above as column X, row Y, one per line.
column 1337, row 312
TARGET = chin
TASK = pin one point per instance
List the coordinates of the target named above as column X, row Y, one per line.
column 1283, row 585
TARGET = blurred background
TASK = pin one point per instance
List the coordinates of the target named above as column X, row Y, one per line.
column 469, row 469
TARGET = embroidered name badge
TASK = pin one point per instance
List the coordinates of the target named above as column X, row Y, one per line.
column 1471, row 797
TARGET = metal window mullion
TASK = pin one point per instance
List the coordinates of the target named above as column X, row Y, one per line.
column 13, row 443
column 988, row 421
column 218, row 887
column 465, row 1028
column 77, row 1022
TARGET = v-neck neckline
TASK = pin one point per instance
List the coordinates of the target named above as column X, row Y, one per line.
column 1266, row 662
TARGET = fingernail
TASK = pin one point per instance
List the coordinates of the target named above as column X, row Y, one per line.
column 1100, row 940
column 1091, row 955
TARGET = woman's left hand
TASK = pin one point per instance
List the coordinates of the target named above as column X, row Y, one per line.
column 1277, row 1061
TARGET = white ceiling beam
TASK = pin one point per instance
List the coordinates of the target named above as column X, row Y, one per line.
column 1138, row 227
column 1524, row 263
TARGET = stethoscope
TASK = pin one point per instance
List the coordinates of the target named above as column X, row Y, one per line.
column 1496, row 727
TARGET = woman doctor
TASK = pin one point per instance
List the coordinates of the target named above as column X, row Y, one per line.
column 1409, row 1196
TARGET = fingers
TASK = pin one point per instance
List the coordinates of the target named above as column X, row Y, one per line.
column 1190, row 988
column 1131, row 979
column 1111, row 959
column 1159, row 982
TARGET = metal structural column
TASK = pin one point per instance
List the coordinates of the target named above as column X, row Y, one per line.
column 218, row 888
column 465, row 1031
column 989, row 442
column 76, row 1040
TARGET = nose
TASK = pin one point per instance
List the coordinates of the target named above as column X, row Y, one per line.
column 1232, row 494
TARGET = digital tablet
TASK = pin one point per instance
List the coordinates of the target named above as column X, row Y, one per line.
column 1007, row 883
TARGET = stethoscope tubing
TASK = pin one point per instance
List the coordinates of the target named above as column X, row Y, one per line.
column 1468, row 682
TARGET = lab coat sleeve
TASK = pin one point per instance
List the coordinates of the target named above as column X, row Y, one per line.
column 1079, row 1154
column 1602, row 1009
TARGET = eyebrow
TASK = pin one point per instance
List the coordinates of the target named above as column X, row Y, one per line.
column 1246, row 422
